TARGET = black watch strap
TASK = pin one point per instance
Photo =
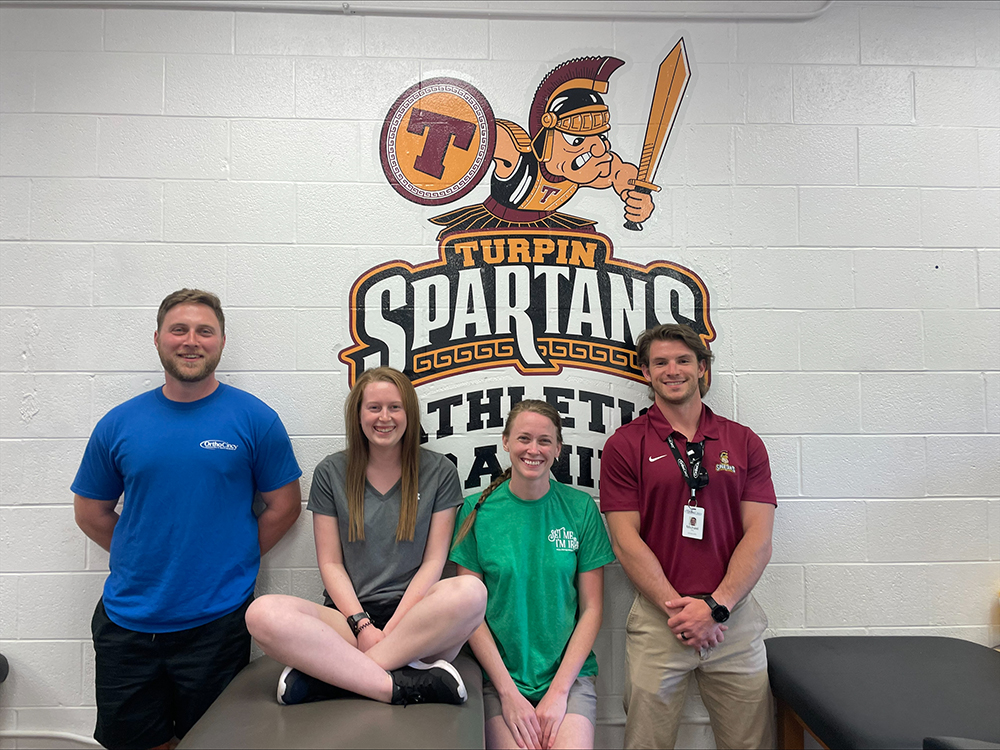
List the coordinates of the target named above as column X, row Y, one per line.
column 354, row 620
column 720, row 613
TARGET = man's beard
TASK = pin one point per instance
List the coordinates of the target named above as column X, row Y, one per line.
column 208, row 365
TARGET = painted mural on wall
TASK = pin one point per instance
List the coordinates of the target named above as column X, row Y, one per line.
column 523, row 300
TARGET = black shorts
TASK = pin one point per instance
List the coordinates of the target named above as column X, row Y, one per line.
column 381, row 612
column 152, row 687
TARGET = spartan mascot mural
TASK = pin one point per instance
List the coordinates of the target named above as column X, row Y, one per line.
column 565, row 148
column 519, row 288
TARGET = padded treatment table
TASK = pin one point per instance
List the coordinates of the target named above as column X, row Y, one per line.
column 247, row 715
column 883, row 691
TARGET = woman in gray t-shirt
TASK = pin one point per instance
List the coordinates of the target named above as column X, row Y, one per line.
column 383, row 515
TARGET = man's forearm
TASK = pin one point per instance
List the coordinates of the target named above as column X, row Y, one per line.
column 273, row 524
column 745, row 568
column 97, row 519
column 643, row 568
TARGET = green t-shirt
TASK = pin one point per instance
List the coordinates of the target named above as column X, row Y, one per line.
column 529, row 553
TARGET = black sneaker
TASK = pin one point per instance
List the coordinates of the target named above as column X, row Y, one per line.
column 297, row 687
column 418, row 682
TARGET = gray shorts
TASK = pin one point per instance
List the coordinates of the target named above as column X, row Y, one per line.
column 582, row 699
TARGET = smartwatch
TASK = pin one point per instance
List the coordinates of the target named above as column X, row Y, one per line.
column 720, row 613
column 353, row 621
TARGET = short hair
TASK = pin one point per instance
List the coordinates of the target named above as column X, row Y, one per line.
column 357, row 453
column 674, row 332
column 191, row 296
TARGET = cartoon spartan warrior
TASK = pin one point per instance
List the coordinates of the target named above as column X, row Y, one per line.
column 567, row 148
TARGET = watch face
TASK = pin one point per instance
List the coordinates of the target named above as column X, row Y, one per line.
column 720, row 613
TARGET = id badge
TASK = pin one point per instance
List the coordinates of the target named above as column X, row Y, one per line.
column 694, row 522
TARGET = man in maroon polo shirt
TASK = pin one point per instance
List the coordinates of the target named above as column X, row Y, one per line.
column 690, row 507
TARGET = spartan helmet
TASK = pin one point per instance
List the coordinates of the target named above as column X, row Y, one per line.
column 569, row 100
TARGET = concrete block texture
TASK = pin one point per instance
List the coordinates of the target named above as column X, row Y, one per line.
column 175, row 147
column 832, row 39
column 49, row 340
column 38, row 472
column 819, row 531
column 989, row 278
column 43, row 406
column 549, row 40
column 51, row 29
column 42, row 274
column 913, row 278
column 852, row 95
column 927, row 530
column 992, row 402
column 77, row 595
column 239, row 86
column 99, row 83
column 332, row 270
column 783, row 456
column 946, row 337
column 989, row 158
column 869, row 595
column 96, row 210
column 295, row 150
column 298, row 34
column 15, row 208
column 48, row 145
column 792, row 279
column 961, row 97
column 228, row 211
column 174, row 31
column 978, row 582
column 896, row 35
column 464, row 38
column 826, row 346
column 771, row 402
column 141, row 275
column 960, row 218
column 922, row 402
column 796, row 155
column 43, row 673
column 349, row 89
column 963, row 465
column 886, row 217
column 854, row 466
column 918, row 156
column 17, row 80
column 44, row 539
column 781, row 593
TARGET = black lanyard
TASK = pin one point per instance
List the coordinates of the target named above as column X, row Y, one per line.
column 696, row 477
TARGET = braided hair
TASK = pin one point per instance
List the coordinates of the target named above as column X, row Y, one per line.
column 545, row 409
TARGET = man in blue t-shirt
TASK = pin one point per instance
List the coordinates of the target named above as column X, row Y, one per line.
column 187, row 460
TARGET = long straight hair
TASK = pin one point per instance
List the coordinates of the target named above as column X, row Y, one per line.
column 358, row 453
column 533, row 405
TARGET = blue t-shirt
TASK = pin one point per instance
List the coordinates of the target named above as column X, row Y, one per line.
column 185, row 550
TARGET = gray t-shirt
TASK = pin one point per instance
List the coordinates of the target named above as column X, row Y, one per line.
column 380, row 567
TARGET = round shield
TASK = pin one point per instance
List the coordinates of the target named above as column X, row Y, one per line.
column 437, row 141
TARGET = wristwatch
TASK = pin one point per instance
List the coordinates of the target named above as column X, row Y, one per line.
column 353, row 621
column 720, row 613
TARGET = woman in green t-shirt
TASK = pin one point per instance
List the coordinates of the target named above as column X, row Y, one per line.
column 540, row 547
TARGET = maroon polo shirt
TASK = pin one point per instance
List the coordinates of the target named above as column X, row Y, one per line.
column 639, row 473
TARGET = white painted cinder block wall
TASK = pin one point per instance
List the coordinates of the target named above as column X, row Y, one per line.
column 836, row 183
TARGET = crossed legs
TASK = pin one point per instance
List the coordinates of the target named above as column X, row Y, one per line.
column 318, row 641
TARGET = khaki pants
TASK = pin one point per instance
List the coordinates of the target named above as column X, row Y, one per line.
column 732, row 678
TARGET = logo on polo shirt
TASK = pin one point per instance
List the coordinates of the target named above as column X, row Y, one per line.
column 724, row 464
column 564, row 540
column 217, row 445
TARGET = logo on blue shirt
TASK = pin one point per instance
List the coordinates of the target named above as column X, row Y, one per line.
column 217, row 445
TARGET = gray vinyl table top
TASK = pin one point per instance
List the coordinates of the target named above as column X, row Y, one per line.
column 247, row 715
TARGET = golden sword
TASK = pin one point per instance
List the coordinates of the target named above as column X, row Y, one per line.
column 671, row 83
